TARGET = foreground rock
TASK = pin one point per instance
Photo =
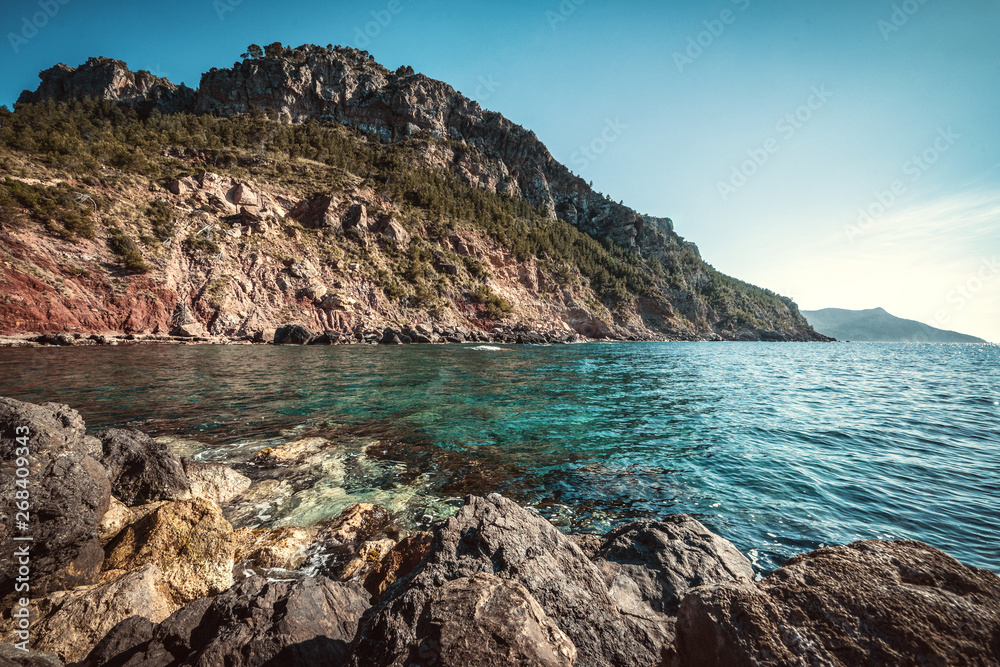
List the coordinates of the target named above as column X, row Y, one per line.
column 141, row 469
column 70, row 623
column 306, row 622
column 11, row 656
column 495, row 536
column 189, row 540
column 69, row 494
column 214, row 481
column 864, row 604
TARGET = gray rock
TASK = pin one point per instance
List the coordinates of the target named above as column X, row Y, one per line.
column 867, row 604
column 495, row 536
column 308, row 621
column 10, row 656
column 142, row 470
column 68, row 491
column 293, row 334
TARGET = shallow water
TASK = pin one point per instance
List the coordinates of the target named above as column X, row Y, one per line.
column 780, row 448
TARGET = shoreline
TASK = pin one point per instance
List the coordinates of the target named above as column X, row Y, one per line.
column 126, row 525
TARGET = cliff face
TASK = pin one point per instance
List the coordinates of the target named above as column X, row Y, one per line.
column 363, row 231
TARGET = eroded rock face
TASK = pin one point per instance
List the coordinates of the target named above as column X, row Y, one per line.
column 309, row 621
column 69, row 495
column 399, row 562
column 495, row 536
column 141, row 469
column 865, row 604
column 189, row 540
column 484, row 620
column 70, row 623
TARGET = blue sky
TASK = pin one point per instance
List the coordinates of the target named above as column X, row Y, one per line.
column 763, row 128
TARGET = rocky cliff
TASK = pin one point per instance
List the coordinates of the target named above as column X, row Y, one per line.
column 424, row 206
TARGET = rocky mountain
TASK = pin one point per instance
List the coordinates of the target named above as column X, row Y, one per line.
column 876, row 325
column 313, row 186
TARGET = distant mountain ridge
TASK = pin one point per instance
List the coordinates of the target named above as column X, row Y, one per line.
column 878, row 326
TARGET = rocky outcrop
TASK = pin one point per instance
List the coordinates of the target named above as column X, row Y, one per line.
column 866, row 604
column 308, row 621
column 214, row 481
column 108, row 79
column 64, row 496
column 497, row 537
column 69, row 624
column 141, row 469
column 189, row 540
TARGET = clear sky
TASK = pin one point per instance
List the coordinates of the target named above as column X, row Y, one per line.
column 762, row 127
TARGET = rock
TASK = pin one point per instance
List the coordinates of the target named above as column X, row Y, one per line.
column 116, row 519
column 189, row 330
column 308, row 621
column 293, row 334
column 352, row 545
column 183, row 186
column 142, row 470
column 394, row 337
column 282, row 548
column 485, row 620
column 318, row 213
column 241, row 194
column 315, row 292
column 69, row 495
column 388, row 228
column 449, row 269
column 666, row 559
column 356, row 218
column 361, row 522
column 189, row 540
column 369, row 555
column 399, row 562
column 865, row 604
column 11, row 656
column 69, row 624
column 495, row 536
column 289, row 452
column 303, row 269
column 588, row 543
column 214, row 481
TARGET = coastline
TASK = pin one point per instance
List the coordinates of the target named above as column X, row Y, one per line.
column 151, row 542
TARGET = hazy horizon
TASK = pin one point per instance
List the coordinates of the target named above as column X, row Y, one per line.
column 846, row 156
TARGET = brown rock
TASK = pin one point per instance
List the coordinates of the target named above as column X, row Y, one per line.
column 489, row 622
column 866, row 604
column 115, row 520
column 360, row 522
column 189, row 540
column 399, row 562
column 70, row 623
column 289, row 452
column 284, row 548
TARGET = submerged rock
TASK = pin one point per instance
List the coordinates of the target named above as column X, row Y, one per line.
column 189, row 540
column 308, row 621
column 141, row 469
column 69, row 495
column 865, row 604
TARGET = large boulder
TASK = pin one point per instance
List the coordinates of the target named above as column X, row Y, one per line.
column 490, row 622
column 319, row 212
column 189, row 540
column 66, row 492
column 495, row 536
column 142, row 470
column 69, row 624
column 293, row 334
column 308, row 621
column 214, row 481
column 865, row 604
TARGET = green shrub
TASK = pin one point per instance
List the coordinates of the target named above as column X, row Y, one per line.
column 126, row 250
column 496, row 306
column 162, row 220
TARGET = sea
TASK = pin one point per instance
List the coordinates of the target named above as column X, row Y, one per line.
column 780, row 448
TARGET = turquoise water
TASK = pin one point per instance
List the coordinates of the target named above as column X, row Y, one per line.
column 780, row 448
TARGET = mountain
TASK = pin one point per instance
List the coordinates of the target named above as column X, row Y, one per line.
column 876, row 325
column 314, row 186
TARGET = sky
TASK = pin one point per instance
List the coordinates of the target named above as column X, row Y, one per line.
column 844, row 154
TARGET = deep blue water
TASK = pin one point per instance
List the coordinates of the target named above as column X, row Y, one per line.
column 780, row 448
